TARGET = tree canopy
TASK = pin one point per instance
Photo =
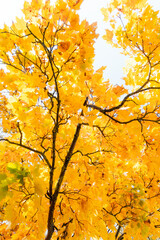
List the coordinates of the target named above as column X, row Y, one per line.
column 79, row 156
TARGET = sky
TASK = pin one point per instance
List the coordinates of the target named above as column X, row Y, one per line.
column 105, row 55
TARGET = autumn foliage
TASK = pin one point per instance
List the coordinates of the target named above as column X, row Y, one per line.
column 79, row 157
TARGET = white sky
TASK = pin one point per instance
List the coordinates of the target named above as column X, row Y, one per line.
column 105, row 55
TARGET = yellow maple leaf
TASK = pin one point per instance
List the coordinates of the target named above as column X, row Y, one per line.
column 74, row 4
column 108, row 36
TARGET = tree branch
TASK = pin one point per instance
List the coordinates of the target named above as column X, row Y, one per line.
column 29, row 148
column 59, row 183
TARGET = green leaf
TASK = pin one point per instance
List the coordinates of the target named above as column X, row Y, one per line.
column 3, row 190
column 2, row 176
column 12, row 167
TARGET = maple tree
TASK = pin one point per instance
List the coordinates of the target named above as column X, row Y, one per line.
column 79, row 156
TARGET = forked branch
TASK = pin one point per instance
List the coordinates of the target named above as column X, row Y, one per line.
column 28, row 148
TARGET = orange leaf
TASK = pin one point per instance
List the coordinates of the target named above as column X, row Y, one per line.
column 64, row 46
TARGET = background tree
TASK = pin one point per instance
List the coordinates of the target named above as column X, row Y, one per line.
column 79, row 157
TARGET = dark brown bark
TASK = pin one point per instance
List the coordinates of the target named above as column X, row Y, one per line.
column 59, row 183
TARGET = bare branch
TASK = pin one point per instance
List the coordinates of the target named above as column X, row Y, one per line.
column 28, row 148
column 59, row 183
column 20, row 133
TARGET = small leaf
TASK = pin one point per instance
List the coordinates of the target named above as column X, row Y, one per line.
column 109, row 35
column 2, row 176
column 64, row 46
column 12, row 167
column 3, row 190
